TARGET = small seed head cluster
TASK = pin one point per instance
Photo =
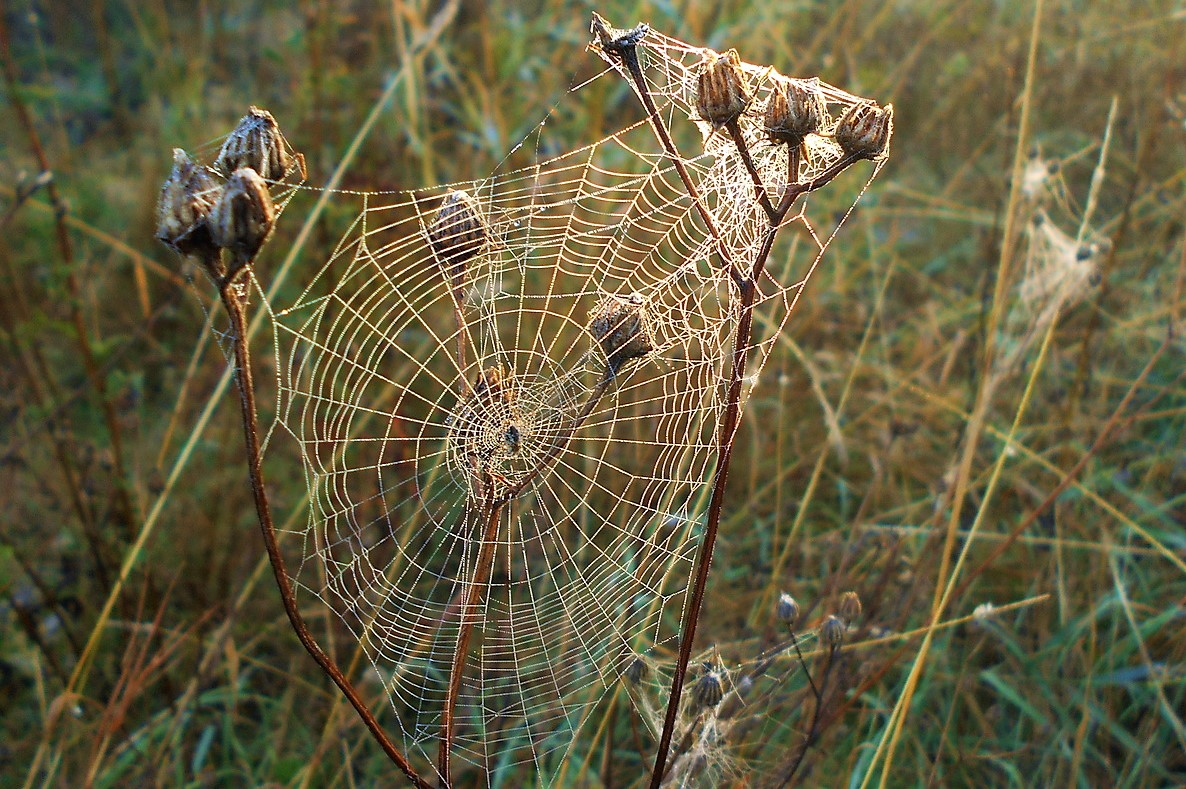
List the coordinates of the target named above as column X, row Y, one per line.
column 200, row 215
column 722, row 90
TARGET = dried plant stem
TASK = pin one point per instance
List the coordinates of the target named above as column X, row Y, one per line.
column 748, row 291
column 812, row 730
column 475, row 592
column 491, row 510
column 231, row 299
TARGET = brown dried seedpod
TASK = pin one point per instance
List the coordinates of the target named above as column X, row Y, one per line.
column 244, row 215
column 788, row 610
column 710, row 688
column 831, row 633
column 188, row 196
column 621, row 329
column 457, row 232
column 722, row 90
column 795, row 109
column 256, row 143
column 865, row 130
column 850, row 607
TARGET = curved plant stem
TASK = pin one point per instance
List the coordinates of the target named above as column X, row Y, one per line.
column 231, row 299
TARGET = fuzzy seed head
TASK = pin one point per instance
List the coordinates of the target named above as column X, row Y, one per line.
column 865, row 130
column 788, row 610
column 457, row 233
column 256, row 143
column 244, row 215
column 850, row 607
column 710, row 688
column 831, row 633
column 187, row 197
column 794, row 110
column 722, row 90
column 621, row 328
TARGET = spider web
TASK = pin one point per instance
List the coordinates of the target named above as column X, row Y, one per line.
column 604, row 460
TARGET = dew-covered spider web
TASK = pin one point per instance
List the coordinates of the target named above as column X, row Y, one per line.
column 515, row 383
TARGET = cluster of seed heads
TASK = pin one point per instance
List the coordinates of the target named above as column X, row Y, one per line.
column 202, row 211
column 834, row 626
column 794, row 109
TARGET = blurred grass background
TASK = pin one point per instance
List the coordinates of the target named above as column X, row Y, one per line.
column 883, row 430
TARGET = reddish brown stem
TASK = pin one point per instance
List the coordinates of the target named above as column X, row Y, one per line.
column 473, row 599
column 235, row 311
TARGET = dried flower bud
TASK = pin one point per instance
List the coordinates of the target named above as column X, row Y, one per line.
column 788, row 610
column 722, row 91
column 865, row 130
column 620, row 327
column 710, row 688
column 244, row 216
column 850, row 607
column 187, row 197
column 256, row 143
column 794, row 110
column 637, row 671
column 831, row 633
column 457, row 232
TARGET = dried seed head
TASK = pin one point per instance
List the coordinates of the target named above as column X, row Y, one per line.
column 865, row 130
column 722, row 91
column 620, row 327
column 850, row 607
column 788, row 610
column 831, row 633
column 187, row 198
column 243, row 217
column 637, row 671
column 710, row 688
column 256, row 143
column 794, row 110
column 457, row 232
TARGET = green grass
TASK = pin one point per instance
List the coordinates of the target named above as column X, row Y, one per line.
column 848, row 465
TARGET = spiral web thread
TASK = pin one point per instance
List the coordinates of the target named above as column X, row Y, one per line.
column 400, row 443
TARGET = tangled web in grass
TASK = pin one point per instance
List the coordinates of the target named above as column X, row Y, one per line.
column 560, row 350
